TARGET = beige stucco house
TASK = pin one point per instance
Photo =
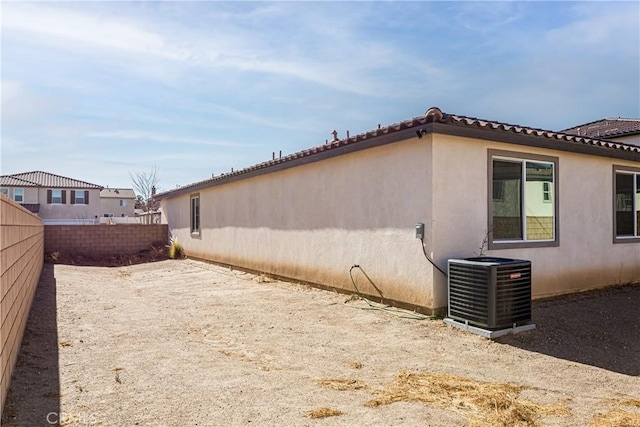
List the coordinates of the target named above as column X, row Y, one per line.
column 56, row 199
column 570, row 204
column 117, row 202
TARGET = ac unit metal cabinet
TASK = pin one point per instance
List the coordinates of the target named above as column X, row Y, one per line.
column 492, row 293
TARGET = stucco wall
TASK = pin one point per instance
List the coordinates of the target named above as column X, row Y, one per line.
column 313, row 222
column 21, row 258
column 112, row 206
column 67, row 210
column 586, row 257
column 30, row 194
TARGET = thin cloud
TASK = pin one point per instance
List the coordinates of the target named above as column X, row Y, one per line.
column 20, row 104
column 244, row 117
column 173, row 81
column 344, row 61
column 16, row 146
column 164, row 138
column 78, row 29
column 74, row 30
column 599, row 29
column 477, row 16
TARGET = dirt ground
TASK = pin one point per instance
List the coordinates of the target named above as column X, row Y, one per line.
column 185, row 343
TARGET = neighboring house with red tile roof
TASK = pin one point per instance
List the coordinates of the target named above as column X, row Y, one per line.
column 56, row 199
column 117, row 202
column 570, row 204
column 615, row 129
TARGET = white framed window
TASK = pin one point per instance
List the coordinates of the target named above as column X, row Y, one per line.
column 626, row 204
column 57, row 196
column 195, row 215
column 524, row 213
column 546, row 192
column 123, row 203
column 18, row 195
column 4, row 191
column 79, row 198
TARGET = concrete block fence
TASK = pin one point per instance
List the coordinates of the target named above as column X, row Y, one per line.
column 102, row 240
column 21, row 259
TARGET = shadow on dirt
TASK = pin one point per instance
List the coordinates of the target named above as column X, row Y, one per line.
column 598, row 328
column 35, row 387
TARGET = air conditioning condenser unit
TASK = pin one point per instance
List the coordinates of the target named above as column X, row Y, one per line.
column 490, row 293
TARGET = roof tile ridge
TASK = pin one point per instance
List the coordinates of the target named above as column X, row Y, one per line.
column 72, row 179
column 445, row 118
column 541, row 132
column 15, row 176
column 498, row 124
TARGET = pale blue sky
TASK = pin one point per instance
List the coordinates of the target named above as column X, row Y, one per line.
column 96, row 90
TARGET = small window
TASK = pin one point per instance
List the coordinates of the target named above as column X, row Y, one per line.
column 123, row 203
column 195, row 215
column 522, row 209
column 56, row 196
column 546, row 192
column 18, row 195
column 79, row 198
column 626, row 205
column 108, row 215
column 4, row 191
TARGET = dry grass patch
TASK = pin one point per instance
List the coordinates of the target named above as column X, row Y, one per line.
column 343, row 384
column 629, row 402
column 486, row 404
column 123, row 273
column 618, row 417
column 323, row 413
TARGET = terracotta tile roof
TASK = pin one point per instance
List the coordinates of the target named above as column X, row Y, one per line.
column 606, row 128
column 45, row 179
column 434, row 121
column 117, row 193
column 12, row 181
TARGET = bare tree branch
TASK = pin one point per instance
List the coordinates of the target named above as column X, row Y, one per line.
column 145, row 184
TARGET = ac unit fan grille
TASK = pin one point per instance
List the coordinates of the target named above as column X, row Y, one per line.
column 468, row 293
column 513, row 294
column 490, row 295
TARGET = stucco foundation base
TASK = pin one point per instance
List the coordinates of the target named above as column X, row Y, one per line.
column 441, row 311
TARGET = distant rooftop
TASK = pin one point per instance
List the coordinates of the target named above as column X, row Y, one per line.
column 117, row 193
column 44, row 179
column 606, row 128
